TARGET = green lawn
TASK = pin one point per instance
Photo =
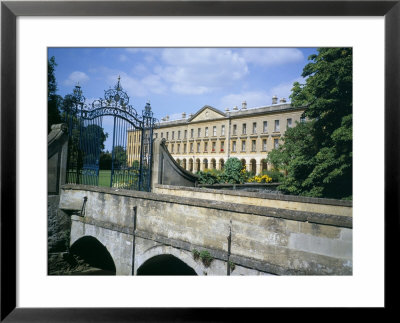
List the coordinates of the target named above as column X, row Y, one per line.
column 104, row 178
column 120, row 180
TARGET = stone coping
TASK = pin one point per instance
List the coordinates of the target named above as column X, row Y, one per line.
column 219, row 186
column 302, row 216
column 262, row 195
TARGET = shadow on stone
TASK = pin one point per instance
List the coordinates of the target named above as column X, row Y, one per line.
column 165, row 265
column 93, row 253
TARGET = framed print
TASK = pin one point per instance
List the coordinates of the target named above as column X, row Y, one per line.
column 160, row 24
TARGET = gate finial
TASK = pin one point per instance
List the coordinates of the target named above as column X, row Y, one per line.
column 118, row 84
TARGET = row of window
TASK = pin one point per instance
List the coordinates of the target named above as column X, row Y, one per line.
column 221, row 147
column 234, row 130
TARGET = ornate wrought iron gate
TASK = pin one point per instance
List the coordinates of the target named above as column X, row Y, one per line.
column 132, row 139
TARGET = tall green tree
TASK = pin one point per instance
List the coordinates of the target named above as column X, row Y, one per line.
column 317, row 155
column 120, row 157
column 53, row 100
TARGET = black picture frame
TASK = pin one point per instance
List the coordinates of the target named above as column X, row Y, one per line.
column 10, row 10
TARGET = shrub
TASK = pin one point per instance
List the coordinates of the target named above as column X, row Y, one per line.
column 206, row 258
column 204, row 255
column 209, row 176
column 275, row 175
column 196, row 254
column 234, row 172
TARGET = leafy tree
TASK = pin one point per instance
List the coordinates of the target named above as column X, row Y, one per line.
column 53, row 100
column 120, row 157
column 135, row 164
column 91, row 143
column 105, row 160
column 317, row 155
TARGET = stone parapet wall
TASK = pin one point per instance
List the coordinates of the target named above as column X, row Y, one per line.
column 288, row 202
column 165, row 170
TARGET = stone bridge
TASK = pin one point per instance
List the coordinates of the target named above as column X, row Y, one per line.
column 179, row 228
column 163, row 232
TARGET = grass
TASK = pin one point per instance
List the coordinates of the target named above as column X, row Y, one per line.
column 104, row 178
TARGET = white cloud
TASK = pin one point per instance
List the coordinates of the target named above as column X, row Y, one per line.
column 272, row 56
column 135, row 86
column 76, row 77
column 140, row 69
column 252, row 98
column 200, row 70
column 259, row 98
column 131, row 85
column 283, row 90
column 123, row 58
column 154, row 84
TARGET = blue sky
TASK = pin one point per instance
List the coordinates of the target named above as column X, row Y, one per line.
column 177, row 80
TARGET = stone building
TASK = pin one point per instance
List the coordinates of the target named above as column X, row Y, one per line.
column 206, row 139
column 133, row 146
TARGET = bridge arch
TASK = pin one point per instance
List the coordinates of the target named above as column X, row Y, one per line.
column 162, row 265
column 94, row 253
column 167, row 257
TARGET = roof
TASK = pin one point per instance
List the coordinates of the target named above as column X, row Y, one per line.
column 232, row 113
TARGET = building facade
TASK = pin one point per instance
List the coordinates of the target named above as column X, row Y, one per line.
column 208, row 138
column 133, row 146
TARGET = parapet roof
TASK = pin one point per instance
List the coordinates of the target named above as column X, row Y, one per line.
column 229, row 114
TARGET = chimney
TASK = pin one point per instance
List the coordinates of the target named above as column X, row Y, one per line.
column 166, row 118
column 235, row 108
column 244, row 105
column 274, row 99
column 190, row 115
column 184, row 115
column 283, row 100
column 227, row 109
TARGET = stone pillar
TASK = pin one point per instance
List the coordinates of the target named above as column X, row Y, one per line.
column 259, row 167
column 57, row 154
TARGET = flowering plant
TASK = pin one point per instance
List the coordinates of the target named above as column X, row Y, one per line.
column 260, row 179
